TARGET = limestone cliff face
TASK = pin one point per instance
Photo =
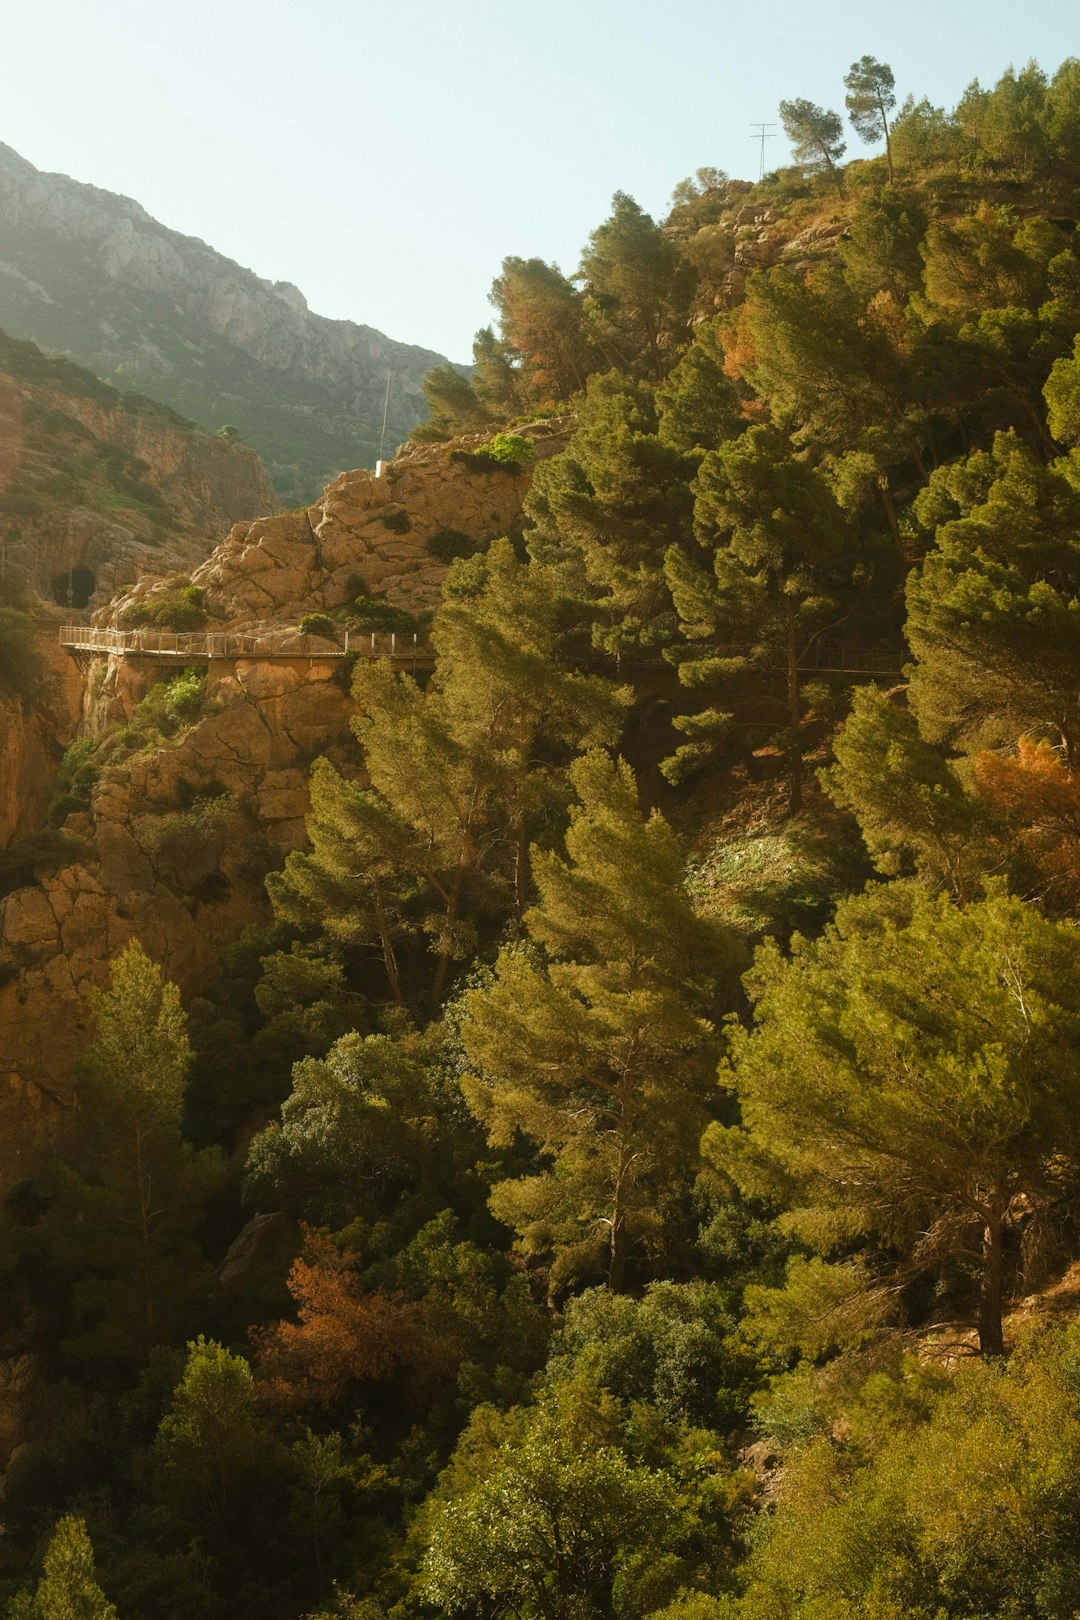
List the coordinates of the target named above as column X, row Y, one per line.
column 184, row 881
column 104, row 486
column 91, row 273
column 34, row 736
column 368, row 533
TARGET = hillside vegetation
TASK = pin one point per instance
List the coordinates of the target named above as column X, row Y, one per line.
column 660, row 1084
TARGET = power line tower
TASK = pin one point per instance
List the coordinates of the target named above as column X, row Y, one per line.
column 386, row 407
column 762, row 136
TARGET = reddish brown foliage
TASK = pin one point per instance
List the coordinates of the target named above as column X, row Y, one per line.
column 737, row 338
column 343, row 1336
column 1038, row 798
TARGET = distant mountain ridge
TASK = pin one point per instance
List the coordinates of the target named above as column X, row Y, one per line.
column 91, row 273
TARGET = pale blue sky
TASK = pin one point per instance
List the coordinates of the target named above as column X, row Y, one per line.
column 385, row 160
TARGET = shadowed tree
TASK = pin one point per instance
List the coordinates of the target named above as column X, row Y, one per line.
column 461, row 778
column 600, row 1054
column 130, row 1190
column 781, row 554
column 994, row 610
column 68, row 1588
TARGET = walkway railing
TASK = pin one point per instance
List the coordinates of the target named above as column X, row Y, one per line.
column 831, row 658
column 199, row 645
column 825, row 658
column 840, row 658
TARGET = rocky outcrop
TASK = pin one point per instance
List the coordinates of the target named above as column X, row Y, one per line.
column 370, row 532
column 174, row 852
column 35, row 735
column 91, row 273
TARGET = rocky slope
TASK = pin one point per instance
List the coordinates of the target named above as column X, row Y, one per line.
column 173, row 851
column 91, row 273
column 180, row 830
column 98, row 487
column 386, row 535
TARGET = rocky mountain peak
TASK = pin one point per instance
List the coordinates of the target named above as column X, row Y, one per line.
column 90, row 273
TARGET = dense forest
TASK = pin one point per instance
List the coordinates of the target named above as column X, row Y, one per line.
column 660, row 1085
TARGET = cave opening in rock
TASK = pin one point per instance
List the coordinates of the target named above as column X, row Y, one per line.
column 74, row 587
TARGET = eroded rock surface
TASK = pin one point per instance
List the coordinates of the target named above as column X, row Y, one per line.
column 369, row 532
column 185, row 885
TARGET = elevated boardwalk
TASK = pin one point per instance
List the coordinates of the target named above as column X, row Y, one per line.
column 196, row 646
column 405, row 652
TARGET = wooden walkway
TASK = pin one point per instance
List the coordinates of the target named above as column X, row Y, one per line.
column 190, row 646
column 405, row 652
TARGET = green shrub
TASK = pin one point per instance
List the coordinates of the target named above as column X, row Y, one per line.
column 207, row 816
column 450, row 544
column 62, row 805
column 17, row 504
column 37, row 854
column 183, row 697
column 373, row 613
column 177, row 607
column 397, row 521
column 506, row 452
column 510, row 447
column 317, row 624
column 169, row 707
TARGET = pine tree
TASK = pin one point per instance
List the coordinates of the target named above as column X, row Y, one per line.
column 782, row 556
column 636, row 292
column 454, row 406
column 914, row 808
column 461, row 777
column 816, row 136
column 994, row 611
column 870, row 99
column 697, row 404
column 129, row 1190
column 541, row 321
column 604, row 513
column 600, row 1051
column 68, row 1588
column 210, row 1443
column 910, row 1080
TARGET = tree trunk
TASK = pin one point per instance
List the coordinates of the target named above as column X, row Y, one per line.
column 389, row 955
column 892, row 518
column 617, row 1267
column 795, row 797
column 991, row 1340
column 521, row 867
column 888, row 146
column 145, row 1241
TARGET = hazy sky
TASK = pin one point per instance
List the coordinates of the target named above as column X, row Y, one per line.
column 385, row 160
